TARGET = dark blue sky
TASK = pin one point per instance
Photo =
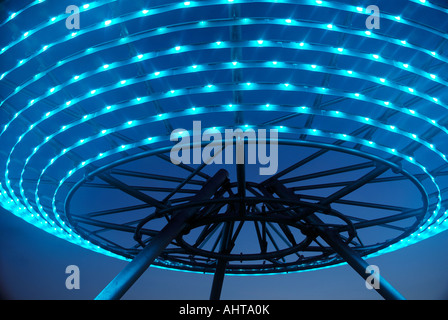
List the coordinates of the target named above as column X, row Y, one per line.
column 33, row 263
column 32, row 266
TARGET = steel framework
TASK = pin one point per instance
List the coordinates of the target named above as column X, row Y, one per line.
column 87, row 116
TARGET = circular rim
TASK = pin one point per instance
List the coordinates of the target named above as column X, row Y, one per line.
column 262, row 268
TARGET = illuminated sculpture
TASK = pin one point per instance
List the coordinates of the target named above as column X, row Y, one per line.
column 87, row 114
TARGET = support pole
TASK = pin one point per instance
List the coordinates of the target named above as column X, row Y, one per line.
column 241, row 178
column 127, row 277
column 218, row 280
column 221, row 266
column 332, row 238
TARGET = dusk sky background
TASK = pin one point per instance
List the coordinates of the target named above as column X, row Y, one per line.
column 32, row 266
column 33, row 262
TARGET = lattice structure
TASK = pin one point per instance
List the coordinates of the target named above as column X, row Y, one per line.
column 87, row 115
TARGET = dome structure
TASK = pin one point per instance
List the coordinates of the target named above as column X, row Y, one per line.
column 351, row 100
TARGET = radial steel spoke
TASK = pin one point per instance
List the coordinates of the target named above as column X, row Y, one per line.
column 354, row 186
column 326, row 173
column 345, row 183
column 154, row 176
column 184, row 182
column 262, row 244
column 131, row 191
column 274, row 243
column 383, row 222
column 139, row 188
column 114, row 244
column 184, row 166
column 207, row 231
column 241, row 180
column 298, row 164
column 279, row 234
column 113, row 226
column 388, row 226
column 357, row 203
column 236, row 233
column 309, row 158
column 117, row 210
column 218, row 239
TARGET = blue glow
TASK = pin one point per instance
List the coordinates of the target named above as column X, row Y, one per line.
column 14, row 198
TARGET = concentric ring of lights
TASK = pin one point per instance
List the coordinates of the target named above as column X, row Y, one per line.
column 41, row 218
